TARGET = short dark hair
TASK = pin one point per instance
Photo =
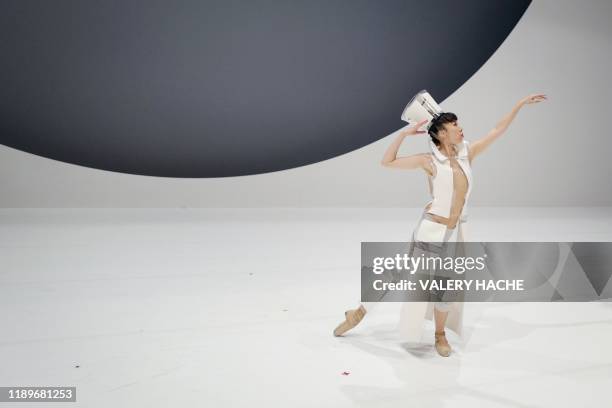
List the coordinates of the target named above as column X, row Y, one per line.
column 437, row 124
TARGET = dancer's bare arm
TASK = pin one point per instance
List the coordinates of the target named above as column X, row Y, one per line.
column 477, row 146
column 414, row 161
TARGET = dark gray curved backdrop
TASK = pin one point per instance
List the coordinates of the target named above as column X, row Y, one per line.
column 228, row 88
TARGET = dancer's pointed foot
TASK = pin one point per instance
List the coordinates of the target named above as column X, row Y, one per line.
column 442, row 346
column 351, row 319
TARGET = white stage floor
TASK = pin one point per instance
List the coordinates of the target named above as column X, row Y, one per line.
column 236, row 307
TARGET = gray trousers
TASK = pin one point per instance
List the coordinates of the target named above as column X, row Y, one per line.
column 433, row 239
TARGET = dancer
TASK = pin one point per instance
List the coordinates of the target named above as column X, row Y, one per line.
column 444, row 219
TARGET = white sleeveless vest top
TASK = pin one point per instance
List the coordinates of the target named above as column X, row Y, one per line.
column 441, row 185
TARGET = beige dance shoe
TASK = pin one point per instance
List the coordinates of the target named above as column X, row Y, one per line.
column 442, row 346
column 351, row 319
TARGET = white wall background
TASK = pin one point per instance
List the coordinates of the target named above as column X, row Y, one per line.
column 556, row 153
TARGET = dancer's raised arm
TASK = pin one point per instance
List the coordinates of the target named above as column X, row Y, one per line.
column 414, row 161
column 477, row 146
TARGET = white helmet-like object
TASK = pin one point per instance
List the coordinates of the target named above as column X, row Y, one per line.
column 421, row 107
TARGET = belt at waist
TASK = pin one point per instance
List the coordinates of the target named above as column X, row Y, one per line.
column 432, row 217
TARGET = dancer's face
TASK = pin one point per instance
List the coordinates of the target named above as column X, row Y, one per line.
column 452, row 133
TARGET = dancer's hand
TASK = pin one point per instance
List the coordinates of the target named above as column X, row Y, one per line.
column 414, row 130
column 533, row 98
